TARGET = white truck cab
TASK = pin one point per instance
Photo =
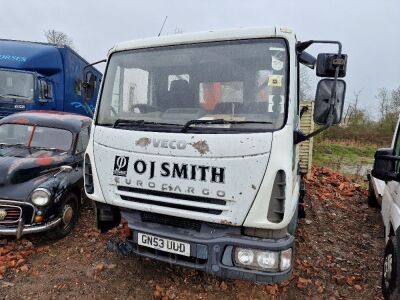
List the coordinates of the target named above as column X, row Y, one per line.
column 385, row 192
column 195, row 144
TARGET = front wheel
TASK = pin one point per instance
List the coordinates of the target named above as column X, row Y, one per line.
column 69, row 217
column 391, row 270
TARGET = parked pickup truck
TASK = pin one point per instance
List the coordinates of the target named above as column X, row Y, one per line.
column 41, row 177
column 385, row 192
column 46, row 77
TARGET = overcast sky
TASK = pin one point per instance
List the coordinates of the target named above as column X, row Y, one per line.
column 369, row 30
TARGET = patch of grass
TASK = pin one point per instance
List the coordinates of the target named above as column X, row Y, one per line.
column 336, row 154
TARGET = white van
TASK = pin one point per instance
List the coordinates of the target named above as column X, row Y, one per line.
column 385, row 191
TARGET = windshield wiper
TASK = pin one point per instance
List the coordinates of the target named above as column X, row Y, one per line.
column 43, row 148
column 219, row 121
column 13, row 95
column 19, row 145
column 140, row 123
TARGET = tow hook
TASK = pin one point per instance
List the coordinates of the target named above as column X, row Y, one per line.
column 121, row 247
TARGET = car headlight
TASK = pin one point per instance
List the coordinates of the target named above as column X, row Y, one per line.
column 41, row 197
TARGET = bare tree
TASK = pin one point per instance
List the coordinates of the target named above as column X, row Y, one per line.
column 59, row 38
column 356, row 99
column 353, row 112
column 383, row 98
column 395, row 100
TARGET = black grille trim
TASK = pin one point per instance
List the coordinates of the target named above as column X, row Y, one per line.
column 89, row 188
column 172, row 205
column 171, row 221
column 276, row 209
column 171, row 195
column 171, row 256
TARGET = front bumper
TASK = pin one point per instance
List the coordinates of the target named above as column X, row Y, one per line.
column 20, row 229
column 212, row 248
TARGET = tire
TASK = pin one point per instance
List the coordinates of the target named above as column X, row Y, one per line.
column 69, row 216
column 372, row 201
column 391, row 270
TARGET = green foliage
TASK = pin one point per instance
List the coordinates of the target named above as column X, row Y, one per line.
column 362, row 132
column 334, row 154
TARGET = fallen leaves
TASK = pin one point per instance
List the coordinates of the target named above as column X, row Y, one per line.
column 223, row 286
column 100, row 267
column 272, row 289
column 302, row 283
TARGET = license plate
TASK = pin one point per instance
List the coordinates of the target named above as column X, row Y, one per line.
column 163, row 244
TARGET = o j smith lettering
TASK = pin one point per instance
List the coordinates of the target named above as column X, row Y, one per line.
column 182, row 171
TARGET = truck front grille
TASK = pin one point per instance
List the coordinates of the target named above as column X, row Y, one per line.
column 194, row 262
column 172, row 200
column 170, row 221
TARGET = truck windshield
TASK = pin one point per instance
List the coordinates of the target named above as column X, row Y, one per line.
column 45, row 138
column 240, row 82
column 16, row 86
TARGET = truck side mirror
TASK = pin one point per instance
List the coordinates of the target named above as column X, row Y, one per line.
column 322, row 103
column 45, row 90
column 89, row 86
column 385, row 165
column 327, row 63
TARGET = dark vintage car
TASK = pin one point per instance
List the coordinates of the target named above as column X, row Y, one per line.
column 41, row 165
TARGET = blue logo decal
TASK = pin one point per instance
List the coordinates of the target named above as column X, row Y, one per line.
column 13, row 58
column 79, row 105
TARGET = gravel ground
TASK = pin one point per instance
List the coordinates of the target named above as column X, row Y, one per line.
column 339, row 250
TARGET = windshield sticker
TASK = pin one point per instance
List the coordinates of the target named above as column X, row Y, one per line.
column 121, row 166
column 275, row 80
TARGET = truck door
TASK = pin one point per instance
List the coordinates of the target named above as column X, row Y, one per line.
column 391, row 198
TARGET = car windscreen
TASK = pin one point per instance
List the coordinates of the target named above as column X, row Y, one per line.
column 16, row 85
column 243, row 83
column 35, row 137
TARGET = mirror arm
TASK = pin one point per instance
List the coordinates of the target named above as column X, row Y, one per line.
column 92, row 64
column 300, row 137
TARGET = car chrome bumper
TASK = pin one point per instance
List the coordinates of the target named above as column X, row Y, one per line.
column 20, row 229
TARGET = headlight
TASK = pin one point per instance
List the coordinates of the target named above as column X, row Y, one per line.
column 268, row 260
column 263, row 260
column 245, row 256
column 40, row 197
column 286, row 259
